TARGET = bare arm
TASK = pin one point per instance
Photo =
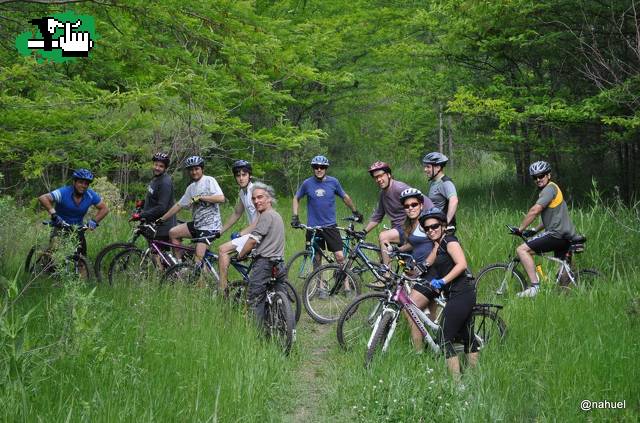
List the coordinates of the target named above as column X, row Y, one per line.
column 349, row 203
column 451, row 208
column 47, row 203
column 173, row 210
column 103, row 210
column 533, row 212
column 248, row 246
column 370, row 226
column 455, row 251
column 237, row 212
column 295, row 205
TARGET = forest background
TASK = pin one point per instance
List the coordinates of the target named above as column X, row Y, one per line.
column 276, row 82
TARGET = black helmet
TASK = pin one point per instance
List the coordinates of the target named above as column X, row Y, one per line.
column 412, row 193
column 435, row 158
column 432, row 213
column 241, row 165
column 161, row 157
column 83, row 174
column 194, row 161
column 539, row 168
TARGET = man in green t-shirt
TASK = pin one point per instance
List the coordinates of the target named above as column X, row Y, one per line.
column 557, row 225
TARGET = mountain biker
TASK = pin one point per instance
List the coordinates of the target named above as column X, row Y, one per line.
column 417, row 241
column 242, row 172
column 447, row 272
column 203, row 195
column 388, row 204
column 320, row 190
column 159, row 198
column 557, row 225
column 442, row 191
column 267, row 237
column 71, row 205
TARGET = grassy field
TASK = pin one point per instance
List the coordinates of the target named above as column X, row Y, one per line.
column 149, row 354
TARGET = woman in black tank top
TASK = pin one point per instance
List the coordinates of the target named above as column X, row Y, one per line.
column 448, row 273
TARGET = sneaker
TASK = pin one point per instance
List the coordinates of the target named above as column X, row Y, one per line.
column 347, row 292
column 529, row 292
column 323, row 293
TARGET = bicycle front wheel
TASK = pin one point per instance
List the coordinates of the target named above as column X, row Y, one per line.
column 294, row 299
column 380, row 338
column 131, row 267
column 81, row 266
column 488, row 327
column 327, row 291
column 587, row 277
column 279, row 321
column 357, row 320
column 105, row 257
column 498, row 283
column 298, row 269
column 39, row 262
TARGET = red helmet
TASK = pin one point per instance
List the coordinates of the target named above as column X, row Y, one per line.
column 379, row 166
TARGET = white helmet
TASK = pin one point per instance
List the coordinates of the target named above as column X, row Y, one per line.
column 539, row 168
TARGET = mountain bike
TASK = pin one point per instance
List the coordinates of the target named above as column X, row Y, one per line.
column 301, row 263
column 280, row 319
column 41, row 260
column 499, row 282
column 193, row 273
column 370, row 321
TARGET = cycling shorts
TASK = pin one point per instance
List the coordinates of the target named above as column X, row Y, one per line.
column 199, row 233
column 328, row 238
column 425, row 289
column 545, row 242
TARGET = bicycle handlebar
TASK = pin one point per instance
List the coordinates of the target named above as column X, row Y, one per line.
column 65, row 225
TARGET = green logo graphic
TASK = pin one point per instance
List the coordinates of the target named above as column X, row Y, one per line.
column 59, row 38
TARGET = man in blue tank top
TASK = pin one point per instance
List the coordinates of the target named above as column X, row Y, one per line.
column 321, row 190
column 69, row 204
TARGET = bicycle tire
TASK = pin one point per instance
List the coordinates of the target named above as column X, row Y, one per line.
column 188, row 275
column 294, row 299
column 279, row 321
column 379, row 337
column 298, row 268
column 328, row 309
column 357, row 320
column 80, row 262
column 131, row 266
column 587, row 277
column 488, row 327
column 109, row 250
column 496, row 285
column 38, row 262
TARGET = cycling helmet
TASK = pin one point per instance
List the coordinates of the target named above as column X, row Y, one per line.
column 161, row 157
column 435, row 158
column 83, row 174
column 241, row 165
column 432, row 213
column 539, row 168
column 194, row 161
column 412, row 193
column 320, row 160
column 379, row 166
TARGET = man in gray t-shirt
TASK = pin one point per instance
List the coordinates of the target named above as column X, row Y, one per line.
column 203, row 196
column 557, row 225
column 442, row 191
column 267, row 237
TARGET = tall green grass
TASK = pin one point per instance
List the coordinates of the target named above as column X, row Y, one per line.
column 150, row 354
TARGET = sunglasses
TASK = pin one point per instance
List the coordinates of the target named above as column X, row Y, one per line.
column 432, row 227
column 538, row 177
column 316, row 167
column 411, row 206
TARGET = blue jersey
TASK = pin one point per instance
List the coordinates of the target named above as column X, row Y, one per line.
column 321, row 200
column 67, row 208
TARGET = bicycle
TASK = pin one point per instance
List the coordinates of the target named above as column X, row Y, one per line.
column 134, row 264
column 329, row 288
column 190, row 274
column 370, row 320
column 499, row 282
column 301, row 263
column 42, row 260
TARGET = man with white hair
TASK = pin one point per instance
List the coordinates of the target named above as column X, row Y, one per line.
column 267, row 237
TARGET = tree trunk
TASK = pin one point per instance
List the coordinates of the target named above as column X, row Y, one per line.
column 440, row 130
column 450, row 140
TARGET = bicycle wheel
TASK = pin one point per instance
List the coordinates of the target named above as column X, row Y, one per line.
column 488, row 327
column 131, row 267
column 39, row 262
column 496, row 284
column 294, row 299
column 327, row 291
column 357, row 320
column 80, row 266
column 298, row 269
column 279, row 321
column 380, row 338
column 180, row 273
column 106, row 255
column 587, row 277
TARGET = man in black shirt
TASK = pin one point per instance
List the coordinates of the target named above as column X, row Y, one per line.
column 159, row 197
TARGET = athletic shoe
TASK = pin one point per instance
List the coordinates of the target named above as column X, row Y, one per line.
column 529, row 292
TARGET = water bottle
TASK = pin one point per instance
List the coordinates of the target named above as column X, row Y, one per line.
column 172, row 259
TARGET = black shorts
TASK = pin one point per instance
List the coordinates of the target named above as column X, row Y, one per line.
column 425, row 289
column 546, row 242
column 199, row 233
column 401, row 232
column 328, row 238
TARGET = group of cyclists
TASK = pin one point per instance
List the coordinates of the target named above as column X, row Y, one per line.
column 422, row 225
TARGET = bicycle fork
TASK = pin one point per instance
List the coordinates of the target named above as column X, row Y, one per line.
column 394, row 322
